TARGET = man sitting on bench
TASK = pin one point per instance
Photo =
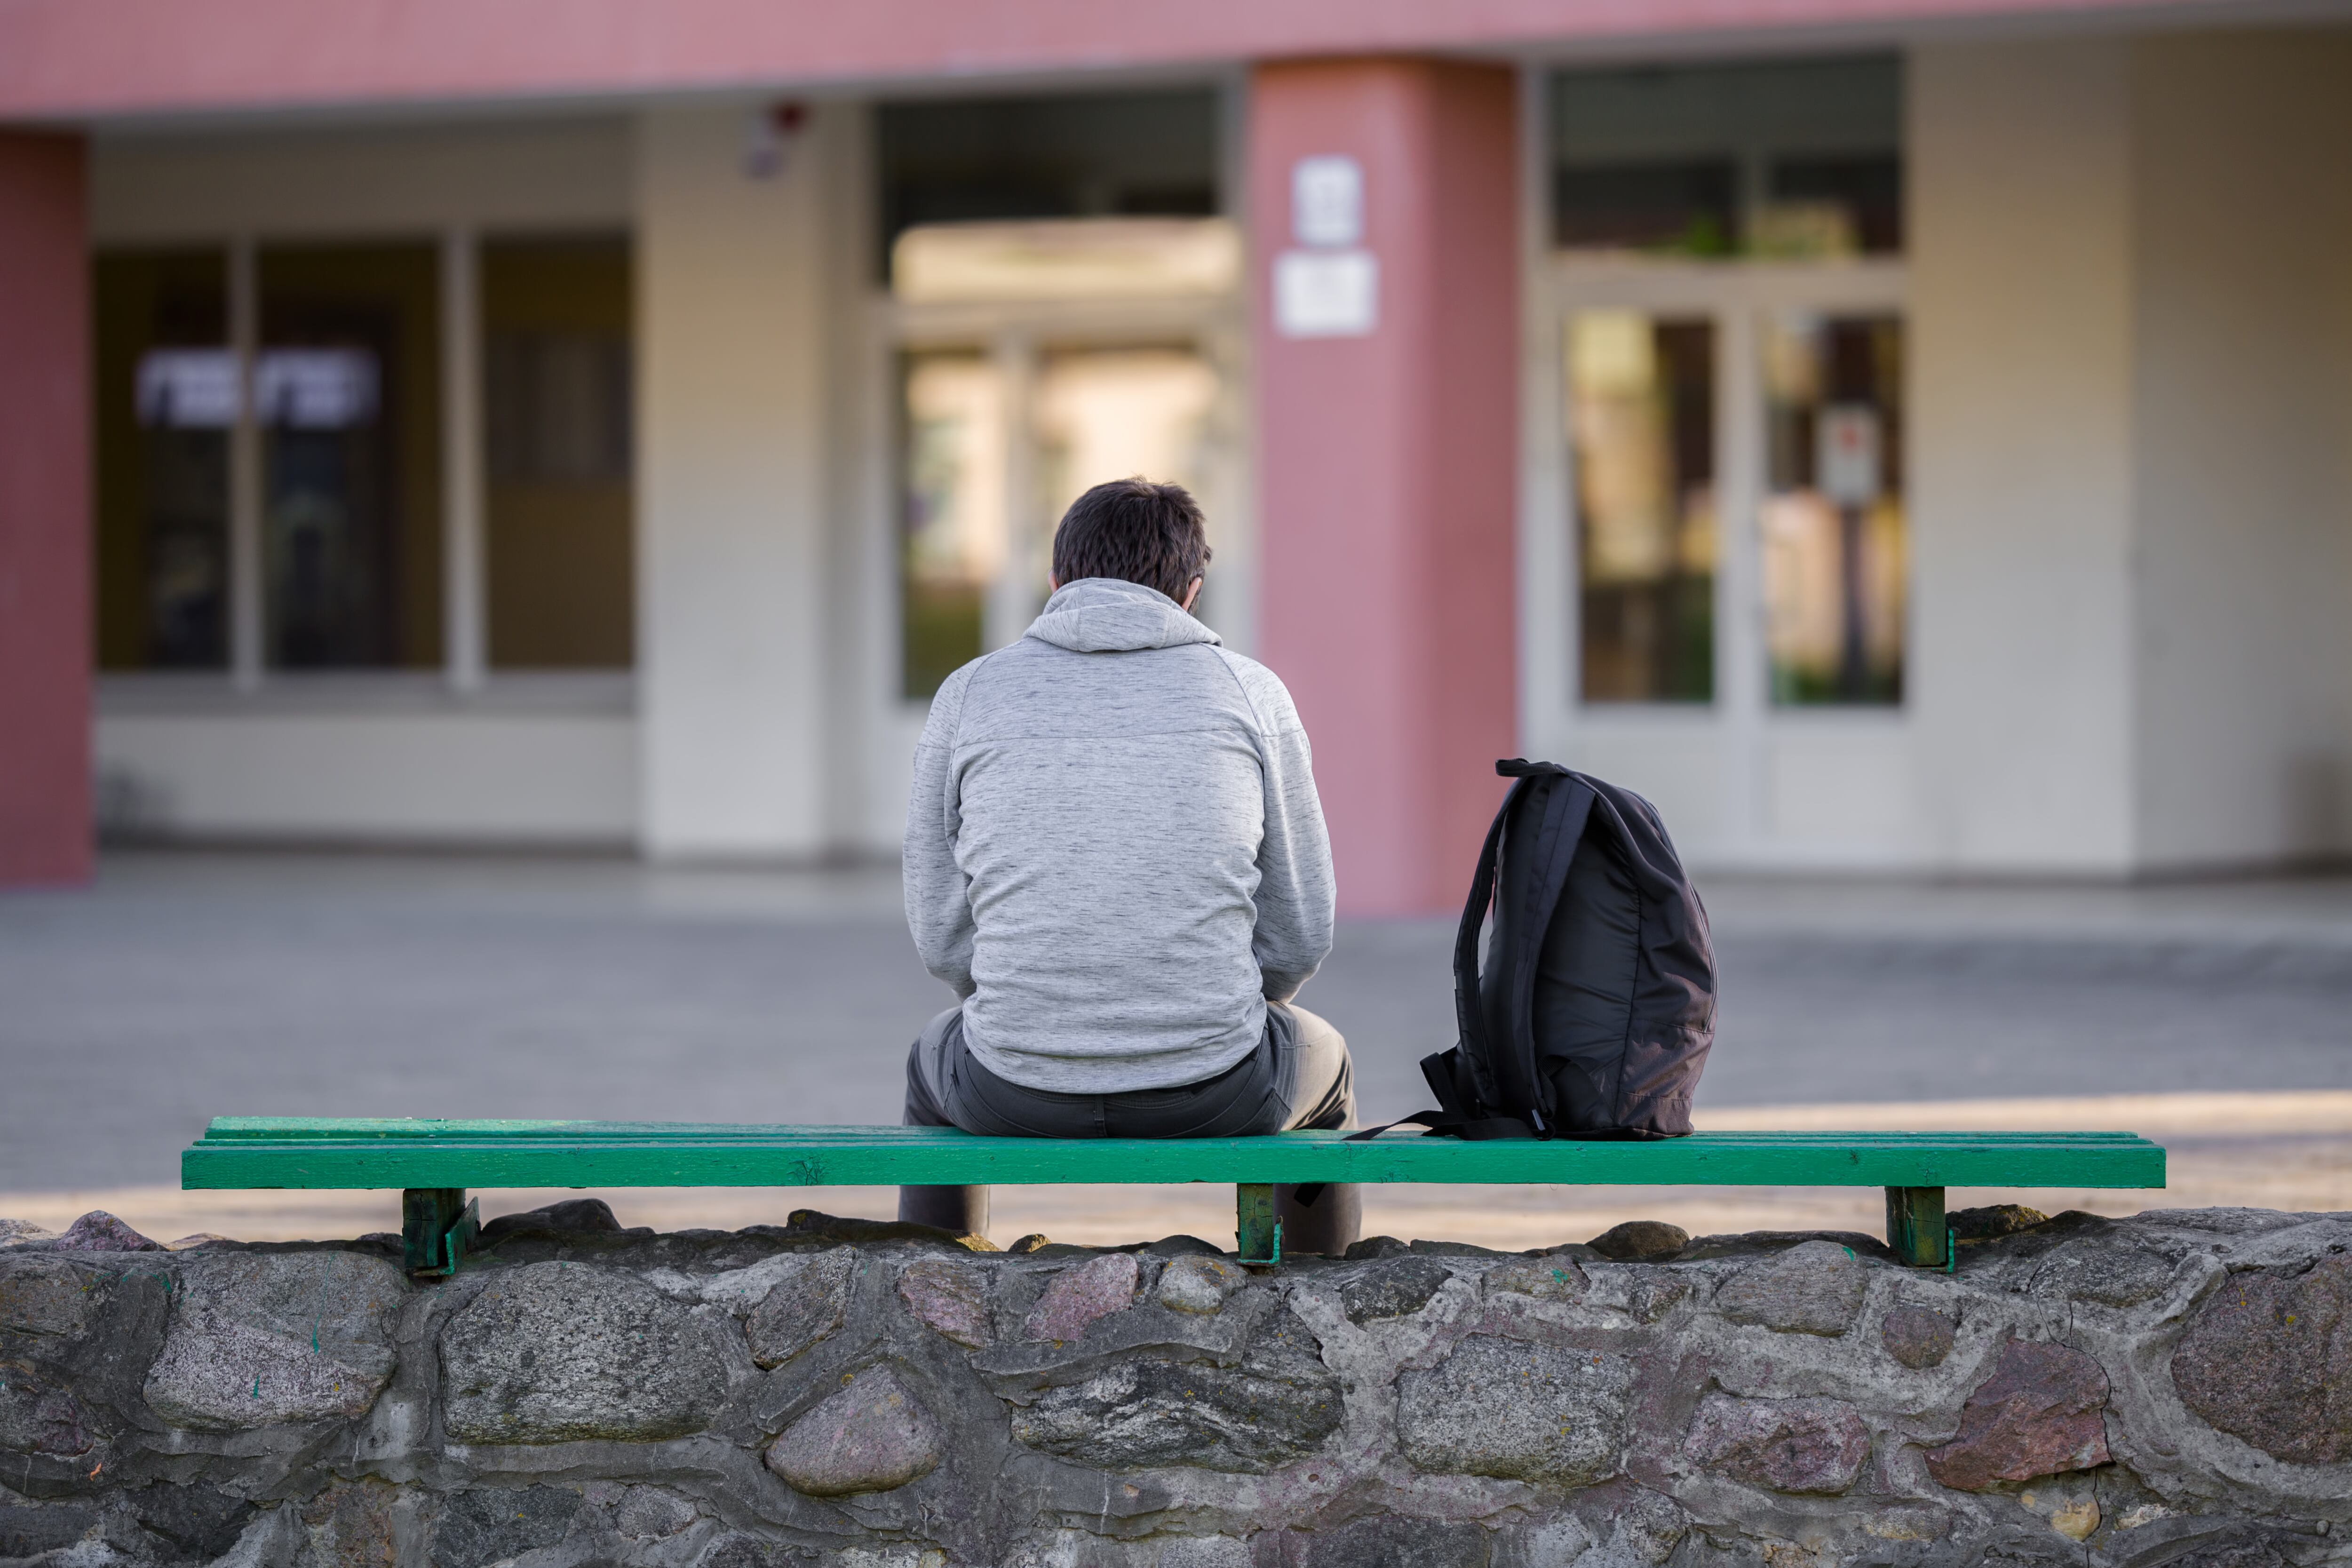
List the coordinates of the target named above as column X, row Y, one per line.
column 1115, row 858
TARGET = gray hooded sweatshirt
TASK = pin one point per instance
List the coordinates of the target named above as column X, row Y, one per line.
column 1114, row 850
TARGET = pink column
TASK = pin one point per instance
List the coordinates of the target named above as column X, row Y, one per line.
column 45, row 513
column 1388, row 463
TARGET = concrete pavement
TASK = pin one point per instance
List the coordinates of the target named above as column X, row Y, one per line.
column 188, row 984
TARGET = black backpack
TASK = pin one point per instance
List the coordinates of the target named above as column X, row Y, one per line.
column 1597, row 1004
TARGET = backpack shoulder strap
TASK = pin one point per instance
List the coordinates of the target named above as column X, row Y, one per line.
column 1468, row 1014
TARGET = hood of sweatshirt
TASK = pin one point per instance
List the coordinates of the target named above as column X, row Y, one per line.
column 1105, row 614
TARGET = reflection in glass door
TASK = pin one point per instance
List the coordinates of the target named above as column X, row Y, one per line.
column 1831, row 526
column 994, row 448
column 952, row 506
column 347, row 391
column 168, row 396
column 1640, row 414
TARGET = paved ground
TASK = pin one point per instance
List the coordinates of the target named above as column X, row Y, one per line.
column 188, row 985
column 185, row 985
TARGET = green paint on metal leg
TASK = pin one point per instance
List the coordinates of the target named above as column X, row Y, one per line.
column 1916, row 1230
column 1256, row 1229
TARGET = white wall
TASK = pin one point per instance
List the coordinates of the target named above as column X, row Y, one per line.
column 2242, row 229
column 440, row 774
column 733, row 487
column 2021, row 482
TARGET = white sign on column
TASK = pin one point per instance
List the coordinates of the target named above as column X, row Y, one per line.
column 1330, row 287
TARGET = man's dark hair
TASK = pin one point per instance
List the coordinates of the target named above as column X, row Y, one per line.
column 1136, row 530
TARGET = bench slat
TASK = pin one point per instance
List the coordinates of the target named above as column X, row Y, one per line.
column 246, row 1152
column 277, row 1129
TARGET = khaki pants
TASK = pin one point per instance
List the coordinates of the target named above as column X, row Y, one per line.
column 1298, row 1077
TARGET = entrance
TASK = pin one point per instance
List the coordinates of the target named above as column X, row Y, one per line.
column 1716, row 601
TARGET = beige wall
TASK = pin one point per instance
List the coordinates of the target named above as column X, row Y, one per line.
column 734, row 487
column 415, row 767
column 2242, row 245
column 2133, row 394
column 2021, row 311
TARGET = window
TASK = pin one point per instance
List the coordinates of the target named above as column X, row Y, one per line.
column 556, row 412
column 347, row 390
column 337, row 533
column 1832, row 529
column 1137, row 154
column 167, row 395
column 1059, row 280
column 1112, row 413
column 1790, row 159
column 1641, row 413
column 953, row 534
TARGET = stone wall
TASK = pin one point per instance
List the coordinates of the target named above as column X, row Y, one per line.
column 2173, row 1389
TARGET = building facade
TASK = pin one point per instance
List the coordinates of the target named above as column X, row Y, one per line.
column 1892, row 435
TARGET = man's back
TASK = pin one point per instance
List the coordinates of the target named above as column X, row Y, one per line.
column 1114, row 849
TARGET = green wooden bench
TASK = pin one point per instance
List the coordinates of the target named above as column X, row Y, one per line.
column 433, row 1163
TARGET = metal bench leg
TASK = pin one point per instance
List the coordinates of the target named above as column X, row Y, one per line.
column 1259, row 1233
column 1915, row 1225
column 437, row 1227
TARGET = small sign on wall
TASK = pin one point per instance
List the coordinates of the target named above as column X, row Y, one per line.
column 1330, row 285
column 1846, row 466
column 1327, row 293
column 1327, row 202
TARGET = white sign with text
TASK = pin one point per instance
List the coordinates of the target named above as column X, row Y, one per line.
column 1327, row 202
column 1327, row 293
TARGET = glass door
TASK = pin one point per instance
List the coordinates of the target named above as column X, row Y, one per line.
column 997, row 441
column 1730, row 458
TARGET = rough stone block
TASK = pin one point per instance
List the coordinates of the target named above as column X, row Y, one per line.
column 1655, row 1295
column 1195, row 1284
column 350, row 1525
column 1096, row 1288
column 197, row 1521
column 560, row 1351
column 2111, row 1275
column 1992, row 1220
column 1638, row 1240
column 1545, row 1279
column 1814, row 1287
column 805, row 1305
column 37, row 1416
column 874, row 1435
column 47, row 1296
column 2268, row 1359
column 1398, row 1543
column 98, row 1231
column 2039, row 1413
column 492, row 1524
column 1395, row 1289
column 950, row 1299
column 1918, row 1337
column 570, row 1217
column 1280, row 1404
column 1522, row 1412
column 652, row 1513
column 28, row 1532
column 1816, row 1446
column 261, row 1338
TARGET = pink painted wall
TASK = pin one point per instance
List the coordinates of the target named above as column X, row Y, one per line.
column 69, row 59
column 45, row 509
column 1388, row 468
